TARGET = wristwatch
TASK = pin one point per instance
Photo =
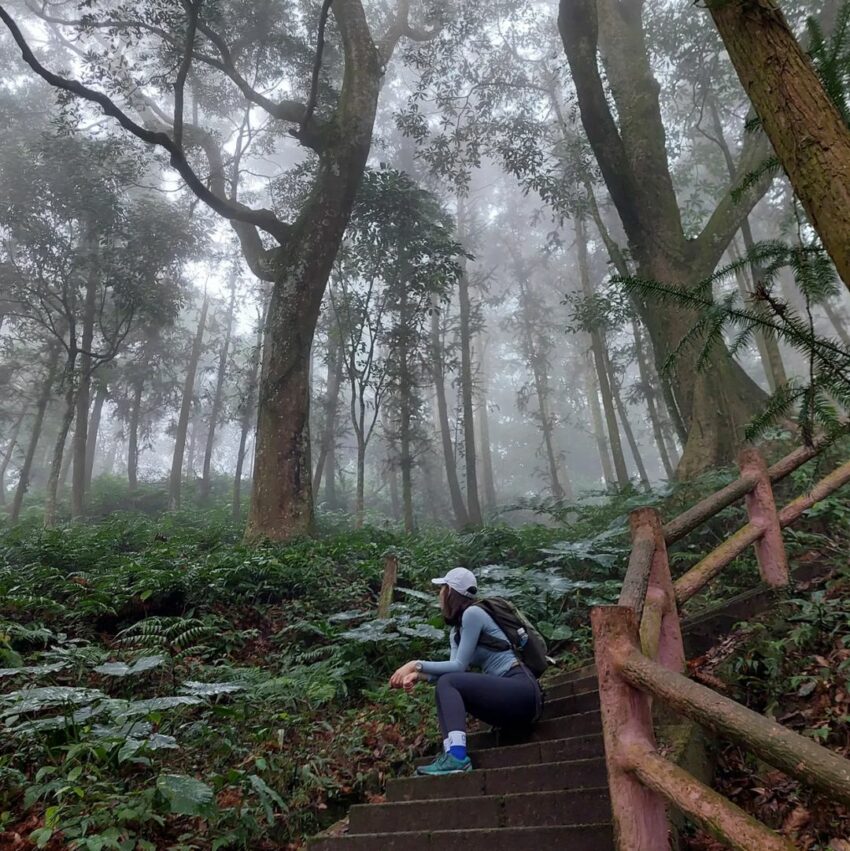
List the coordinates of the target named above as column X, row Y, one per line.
column 418, row 667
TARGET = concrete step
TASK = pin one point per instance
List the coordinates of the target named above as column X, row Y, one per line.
column 553, row 750
column 584, row 724
column 584, row 837
column 511, row 780
column 575, row 704
column 530, row 809
column 566, row 688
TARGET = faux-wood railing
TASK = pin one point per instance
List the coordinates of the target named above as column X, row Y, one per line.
column 640, row 656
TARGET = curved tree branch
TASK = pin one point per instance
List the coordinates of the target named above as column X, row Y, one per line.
column 264, row 219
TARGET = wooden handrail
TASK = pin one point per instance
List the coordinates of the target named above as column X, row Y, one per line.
column 709, row 567
column 696, row 515
column 786, row 750
column 710, row 809
column 639, row 656
column 636, row 581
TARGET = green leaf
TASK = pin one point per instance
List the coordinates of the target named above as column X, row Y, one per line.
column 185, row 795
column 121, row 669
column 155, row 704
column 210, row 689
column 267, row 796
column 41, row 836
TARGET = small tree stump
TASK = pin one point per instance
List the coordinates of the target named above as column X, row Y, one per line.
column 385, row 600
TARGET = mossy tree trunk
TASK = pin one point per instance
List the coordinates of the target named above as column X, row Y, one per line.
column 715, row 403
column 807, row 131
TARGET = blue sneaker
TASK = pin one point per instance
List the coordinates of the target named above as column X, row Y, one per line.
column 445, row 764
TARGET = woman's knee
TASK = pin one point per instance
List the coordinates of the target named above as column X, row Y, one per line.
column 446, row 682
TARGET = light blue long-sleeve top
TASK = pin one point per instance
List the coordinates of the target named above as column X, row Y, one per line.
column 468, row 653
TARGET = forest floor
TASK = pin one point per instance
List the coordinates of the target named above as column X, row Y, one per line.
column 164, row 686
column 792, row 664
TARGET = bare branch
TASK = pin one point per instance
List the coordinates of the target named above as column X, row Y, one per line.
column 263, row 219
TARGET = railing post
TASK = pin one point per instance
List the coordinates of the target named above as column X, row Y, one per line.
column 660, row 631
column 761, row 508
column 640, row 816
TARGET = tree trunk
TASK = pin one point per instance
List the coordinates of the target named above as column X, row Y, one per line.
column 282, row 496
column 218, row 398
column 716, row 403
column 592, row 391
column 176, row 480
column 837, row 322
column 541, row 389
column 437, row 360
column 405, row 391
column 651, row 401
column 473, row 505
column 133, row 433
column 597, row 345
column 248, row 414
column 627, row 426
column 488, row 479
column 70, row 384
column 83, row 401
column 35, row 432
column 331, row 408
column 94, row 429
column 7, row 455
column 193, row 438
column 804, row 126
column 392, row 474
column 360, row 485
column 768, row 346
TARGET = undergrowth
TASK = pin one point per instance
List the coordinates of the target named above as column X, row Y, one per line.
column 164, row 686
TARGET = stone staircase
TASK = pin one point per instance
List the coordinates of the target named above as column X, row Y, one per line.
column 542, row 791
column 545, row 790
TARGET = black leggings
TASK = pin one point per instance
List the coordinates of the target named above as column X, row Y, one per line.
column 512, row 700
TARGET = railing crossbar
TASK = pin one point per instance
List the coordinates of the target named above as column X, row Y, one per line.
column 687, row 521
column 712, row 565
column 710, row 809
column 786, row 750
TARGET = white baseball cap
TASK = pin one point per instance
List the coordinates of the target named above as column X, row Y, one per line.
column 461, row 580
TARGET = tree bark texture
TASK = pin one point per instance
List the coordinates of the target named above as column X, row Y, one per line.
column 282, row 493
column 804, row 126
column 176, row 480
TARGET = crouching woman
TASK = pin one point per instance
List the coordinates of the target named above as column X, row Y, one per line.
column 504, row 694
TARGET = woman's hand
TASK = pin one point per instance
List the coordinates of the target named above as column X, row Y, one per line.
column 410, row 680
column 397, row 679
